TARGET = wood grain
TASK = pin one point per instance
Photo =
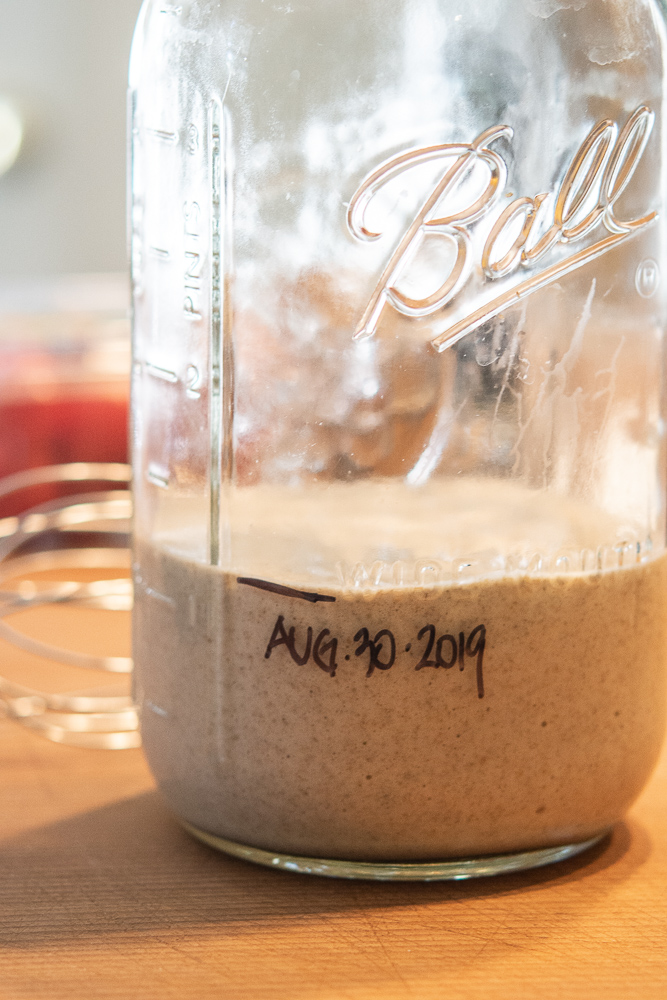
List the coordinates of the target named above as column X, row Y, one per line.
column 102, row 895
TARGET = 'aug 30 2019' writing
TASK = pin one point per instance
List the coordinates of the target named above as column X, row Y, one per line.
column 445, row 651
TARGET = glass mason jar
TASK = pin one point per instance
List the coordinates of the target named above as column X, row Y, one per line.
column 399, row 446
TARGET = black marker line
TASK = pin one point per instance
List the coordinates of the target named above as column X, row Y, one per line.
column 277, row 588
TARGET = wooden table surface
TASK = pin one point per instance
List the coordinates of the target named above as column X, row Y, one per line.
column 103, row 895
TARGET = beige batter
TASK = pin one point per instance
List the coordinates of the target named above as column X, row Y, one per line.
column 522, row 708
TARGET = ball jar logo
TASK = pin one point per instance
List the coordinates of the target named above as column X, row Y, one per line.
column 527, row 232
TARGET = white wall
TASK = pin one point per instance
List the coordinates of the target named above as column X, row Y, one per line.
column 63, row 63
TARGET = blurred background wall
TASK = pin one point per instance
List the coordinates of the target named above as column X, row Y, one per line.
column 64, row 291
column 63, row 68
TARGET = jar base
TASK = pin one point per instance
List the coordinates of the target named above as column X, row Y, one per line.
column 382, row 871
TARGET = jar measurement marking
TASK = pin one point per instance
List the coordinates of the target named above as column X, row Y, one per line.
column 192, row 275
column 152, row 593
column 159, row 253
column 647, row 278
column 163, row 374
column 163, row 134
column 219, row 425
column 193, row 381
column 156, row 709
column 158, row 476
column 193, row 260
column 193, row 139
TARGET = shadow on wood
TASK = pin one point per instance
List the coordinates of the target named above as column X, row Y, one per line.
column 129, row 867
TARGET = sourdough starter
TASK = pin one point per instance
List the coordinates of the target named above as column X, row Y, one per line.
column 403, row 721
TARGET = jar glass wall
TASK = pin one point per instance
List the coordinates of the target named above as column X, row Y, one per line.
column 398, row 420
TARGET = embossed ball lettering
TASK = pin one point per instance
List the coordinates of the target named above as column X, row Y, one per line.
column 523, row 233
